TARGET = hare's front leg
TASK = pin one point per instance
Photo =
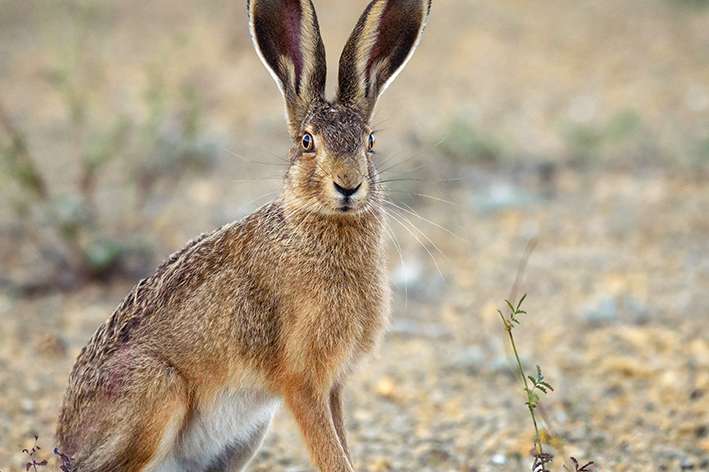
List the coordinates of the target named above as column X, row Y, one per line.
column 338, row 418
column 312, row 411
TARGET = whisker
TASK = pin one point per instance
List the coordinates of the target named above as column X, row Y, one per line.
column 414, row 169
column 238, row 181
column 392, row 214
column 413, row 212
column 265, row 151
column 375, row 127
column 438, row 199
column 392, row 236
column 393, row 156
column 408, row 159
column 421, row 153
column 401, row 215
column 255, row 200
column 257, row 162
column 454, row 179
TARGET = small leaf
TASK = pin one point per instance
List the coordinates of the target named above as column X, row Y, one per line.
column 510, row 305
column 547, row 386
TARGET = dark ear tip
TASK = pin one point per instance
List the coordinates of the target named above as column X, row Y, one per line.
column 287, row 38
column 378, row 48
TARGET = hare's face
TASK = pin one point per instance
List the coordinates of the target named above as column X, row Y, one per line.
column 330, row 167
column 330, row 171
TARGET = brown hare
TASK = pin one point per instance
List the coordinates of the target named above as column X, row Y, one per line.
column 189, row 370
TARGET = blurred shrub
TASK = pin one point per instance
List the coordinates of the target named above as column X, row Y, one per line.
column 465, row 144
column 703, row 150
column 694, row 3
column 588, row 143
column 155, row 151
column 697, row 157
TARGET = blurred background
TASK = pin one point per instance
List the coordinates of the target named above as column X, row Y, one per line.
column 128, row 128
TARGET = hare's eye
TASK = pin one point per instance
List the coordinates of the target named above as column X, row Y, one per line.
column 370, row 144
column 308, row 142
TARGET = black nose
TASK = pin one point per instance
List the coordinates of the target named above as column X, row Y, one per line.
column 346, row 192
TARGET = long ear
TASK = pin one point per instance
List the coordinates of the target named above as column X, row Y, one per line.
column 286, row 36
column 380, row 45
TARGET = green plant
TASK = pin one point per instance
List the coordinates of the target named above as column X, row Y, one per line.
column 538, row 384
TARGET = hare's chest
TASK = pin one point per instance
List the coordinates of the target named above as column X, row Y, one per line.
column 343, row 322
column 337, row 312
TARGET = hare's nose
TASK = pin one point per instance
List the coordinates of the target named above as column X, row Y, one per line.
column 346, row 192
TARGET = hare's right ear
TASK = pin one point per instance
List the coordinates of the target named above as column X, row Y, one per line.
column 380, row 45
column 287, row 38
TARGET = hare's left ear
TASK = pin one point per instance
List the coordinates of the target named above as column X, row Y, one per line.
column 287, row 38
column 380, row 45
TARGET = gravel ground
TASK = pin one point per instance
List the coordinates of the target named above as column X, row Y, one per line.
column 617, row 285
column 623, row 341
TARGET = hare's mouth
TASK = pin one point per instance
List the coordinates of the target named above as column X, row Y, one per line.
column 345, row 207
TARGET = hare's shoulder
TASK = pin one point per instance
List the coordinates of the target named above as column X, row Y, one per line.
column 200, row 261
column 229, row 240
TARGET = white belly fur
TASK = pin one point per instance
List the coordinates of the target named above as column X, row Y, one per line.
column 230, row 418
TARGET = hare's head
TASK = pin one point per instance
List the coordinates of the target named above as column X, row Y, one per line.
column 330, row 169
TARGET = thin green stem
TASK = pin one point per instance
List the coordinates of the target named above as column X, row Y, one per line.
column 531, row 402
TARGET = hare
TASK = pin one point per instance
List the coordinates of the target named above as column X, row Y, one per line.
column 279, row 307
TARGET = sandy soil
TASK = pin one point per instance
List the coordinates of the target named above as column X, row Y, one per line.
column 486, row 126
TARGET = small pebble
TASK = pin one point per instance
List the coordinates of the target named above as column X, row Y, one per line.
column 385, row 388
column 379, row 465
column 27, row 405
column 499, row 459
column 601, row 312
column 5, row 304
column 469, row 358
column 434, row 458
column 686, row 464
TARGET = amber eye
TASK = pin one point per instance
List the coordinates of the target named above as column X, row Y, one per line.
column 370, row 144
column 308, row 142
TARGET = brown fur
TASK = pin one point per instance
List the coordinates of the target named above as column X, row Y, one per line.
column 281, row 304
